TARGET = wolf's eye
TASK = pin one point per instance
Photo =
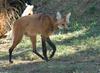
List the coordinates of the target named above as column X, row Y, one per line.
column 62, row 24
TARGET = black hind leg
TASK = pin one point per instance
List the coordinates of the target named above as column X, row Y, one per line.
column 10, row 53
column 15, row 43
column 16, row 40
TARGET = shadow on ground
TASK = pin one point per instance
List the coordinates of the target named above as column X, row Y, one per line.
column 78, row 63
column 87, row 61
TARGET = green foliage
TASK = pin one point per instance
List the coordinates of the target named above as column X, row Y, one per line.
column 92, row 10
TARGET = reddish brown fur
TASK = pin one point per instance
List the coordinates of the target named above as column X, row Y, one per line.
column 35, row 24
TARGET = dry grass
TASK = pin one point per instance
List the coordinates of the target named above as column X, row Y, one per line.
column 7, row 18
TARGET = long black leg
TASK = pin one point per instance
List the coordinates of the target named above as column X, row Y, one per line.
column 33, row 40
column 11, row 50
column 10, row 54
column 16, row 40
column 35, row 51
column 44, row 50
column 53, row 47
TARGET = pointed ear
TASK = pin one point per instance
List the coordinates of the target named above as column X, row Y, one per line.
column 68, row 17
column 58, row 15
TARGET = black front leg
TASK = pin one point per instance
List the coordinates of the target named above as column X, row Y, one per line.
column 44, row 50
column 53, row 47
column 34, row 50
